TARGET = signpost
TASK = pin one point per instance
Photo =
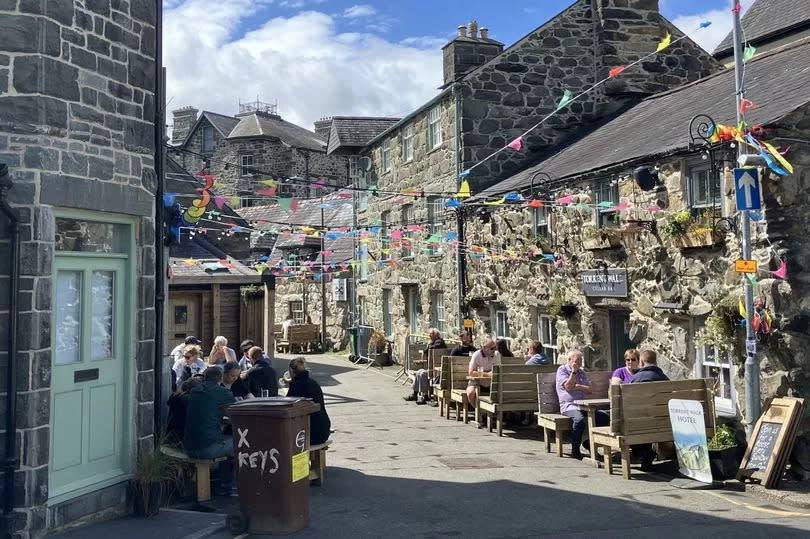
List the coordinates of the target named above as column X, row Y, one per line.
column 746, row 188
column 468, row 324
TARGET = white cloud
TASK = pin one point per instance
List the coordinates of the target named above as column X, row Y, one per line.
column 302, row 61
column 710, row 37
column 298, row 4
column 359, row 10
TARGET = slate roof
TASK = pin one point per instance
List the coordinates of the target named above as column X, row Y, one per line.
column 767, row 19
column 267, row 125
column 223, row 124
column 208, row 270
column 356, row 131
column 778, row 82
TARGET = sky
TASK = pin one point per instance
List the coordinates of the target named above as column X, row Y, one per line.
column 321, row 58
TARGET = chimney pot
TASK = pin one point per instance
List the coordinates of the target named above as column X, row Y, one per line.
column 473, row 29
column 484, row 33
column 462, row 30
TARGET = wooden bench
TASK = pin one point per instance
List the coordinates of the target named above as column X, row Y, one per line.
column 459, row 370
column 202, row 472
column 549, row 417
column 639, row 414
column 300, row 336
column 513, row 389
column 441, row 389
column 317, row 462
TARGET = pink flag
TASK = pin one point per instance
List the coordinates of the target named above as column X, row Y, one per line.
column 516, row 144
column 220, row 200
column 320, row 183
column 564, row 201
column 615, row 71
column 781, row 273
column 396, row 234
column 623, row 205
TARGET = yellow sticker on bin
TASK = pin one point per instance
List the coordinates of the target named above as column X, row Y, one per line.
column 300, row 466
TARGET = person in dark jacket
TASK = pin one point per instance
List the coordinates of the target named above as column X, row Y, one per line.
column 302, row 385
column 465, row 348
column 261, row 375
column 649, row 372
column 231, row 380
column 178, row 402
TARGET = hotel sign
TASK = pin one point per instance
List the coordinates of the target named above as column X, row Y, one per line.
column 610, row 283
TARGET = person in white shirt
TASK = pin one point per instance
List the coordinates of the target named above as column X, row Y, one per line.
column 481, row 365
column 190, row 364
column 177, row 351
column 220, row 353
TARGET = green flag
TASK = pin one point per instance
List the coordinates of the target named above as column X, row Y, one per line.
column 748, row 53
column 566, row 98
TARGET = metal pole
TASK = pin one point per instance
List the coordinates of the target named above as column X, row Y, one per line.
column 355, row 300
column 752, row 403
column 323, row 282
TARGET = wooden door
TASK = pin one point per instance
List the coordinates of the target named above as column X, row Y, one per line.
column 184, row 316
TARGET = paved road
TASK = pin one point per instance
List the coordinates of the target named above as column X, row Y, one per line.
column 399, row 470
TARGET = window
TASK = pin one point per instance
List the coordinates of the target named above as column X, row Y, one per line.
column 355, row 172
column 434, row 207
column 208, row 139
column 437, row 310
column 607, row 191
column 388, row 326
column 711, row 362
column 364, row 263
column 540, row 220
column 704, row 187
column 297, row 311
column 434, row 135
column 361, row 310
column 285, row 189
column 411, row 296
column 247, row 166
column 385, row 156
column 385, row 240
column 407, row 144
column 502, row 325
column 547, row 334
column 407, row 217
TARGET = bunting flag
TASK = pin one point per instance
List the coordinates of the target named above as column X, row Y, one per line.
column 766, row 156
column 168, row 199
column 516, row 144
column 464, row 190
column 605, row 204
column 623, row 205
column 566, row 200
column 748, row 53
column 535, row 203
column 270, row 183
column 752, row 278
column 219, row 200
column 746, row 104
column 267, row 192
column 781, row 273
column 235, row 201
column 615, row 71
column 741, row 308
column 496, row 202
column 289, row 205
column 664, row 43
column 778, row 156
column 755, row 215
column 514, row 197
column 320, row 183
column 452, row 203
column 704, row 24
column 463, row 174
column 566, row 98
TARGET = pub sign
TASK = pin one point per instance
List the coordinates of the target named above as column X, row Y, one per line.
column 610, row 283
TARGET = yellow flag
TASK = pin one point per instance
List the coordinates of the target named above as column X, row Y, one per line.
column 496, row 202
column 235, row 201
column 664, row 43
column 741, row 308
column 270, row 183
column 464, row 190
column 778, row 156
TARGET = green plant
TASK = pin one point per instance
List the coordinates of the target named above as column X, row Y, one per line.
column 252, row 291
column 377, row 343
column 558, row 306
column 723, row 438
column 156, row 475
column 589, row 232
column 677, row 224
column 720, row 326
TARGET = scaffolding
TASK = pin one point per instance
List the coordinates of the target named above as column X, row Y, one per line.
column 258, row 106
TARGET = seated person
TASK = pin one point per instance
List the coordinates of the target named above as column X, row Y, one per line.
column 261, row 375
column 502, row 350
column 203, row 438
column 190, row 364
column 244, row 361
column 481, row 364
column 220, row 353
column 302, row 385
column 178, row 404
column 572, row 384
column 624, row 375
column 231, row 380
column 535, row 354
column 421, row 380
column 465, row 348
column 285, row 327
column 649, row 372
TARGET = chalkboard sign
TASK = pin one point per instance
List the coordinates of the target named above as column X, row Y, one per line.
column 763, row 446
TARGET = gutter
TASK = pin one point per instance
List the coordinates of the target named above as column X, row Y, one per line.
column 461, row 257
column 160, row 270
column 11, row 460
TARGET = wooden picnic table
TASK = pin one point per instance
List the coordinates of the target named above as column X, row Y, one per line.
column 589, row 407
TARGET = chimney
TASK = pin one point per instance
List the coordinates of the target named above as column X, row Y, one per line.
column 323, row 127
column 184, row 119
column 466, row 52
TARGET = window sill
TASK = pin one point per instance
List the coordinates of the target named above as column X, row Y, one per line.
column 407, row 258
column 430, row 151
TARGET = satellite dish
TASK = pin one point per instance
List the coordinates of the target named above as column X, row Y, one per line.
column 364, row 163
column 646, row 178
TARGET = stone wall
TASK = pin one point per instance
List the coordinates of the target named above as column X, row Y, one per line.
column 338, row 313
column 76, row 131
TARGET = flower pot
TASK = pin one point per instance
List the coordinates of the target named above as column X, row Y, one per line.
column 603, row 240
column 695, row 239
column 146, row 498
column 383, row 359
column 724, row 463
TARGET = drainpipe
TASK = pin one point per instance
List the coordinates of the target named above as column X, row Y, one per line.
column 160, row 270
column 11, row 461
column 461, row 258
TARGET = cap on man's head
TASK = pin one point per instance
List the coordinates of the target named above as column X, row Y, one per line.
column 246, row 345
column 191, row 339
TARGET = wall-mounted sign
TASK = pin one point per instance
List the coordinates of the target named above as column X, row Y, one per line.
column 745, row 266
column 610, row 283
column 339, row 289
column 468, row 323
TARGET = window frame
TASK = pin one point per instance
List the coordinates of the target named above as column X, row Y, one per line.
column 407, row 143
column 385, row 156
column 697, row 168
column 547, row 333
column 434, row 128
column 387, row 305
column 207, row 137
column 498, row 334
column 406, row 216
column 290, row 306
column 244, row 169
column 538, row 223
column 437, row 310
column 385, row 239
column 602, row 216
column 723, row 406
column 434, row 206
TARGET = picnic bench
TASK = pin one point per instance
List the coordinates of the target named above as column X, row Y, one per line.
column 513, row 389
column 639, row 414
column 459, row 369
column 300, row 336
column 317, row 462
column 202, row 470
column 549, row 417
column 441, row 388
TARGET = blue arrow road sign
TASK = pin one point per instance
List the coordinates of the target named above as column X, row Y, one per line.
column 746, row 187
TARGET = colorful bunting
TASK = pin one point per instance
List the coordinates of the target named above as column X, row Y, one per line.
column 464, row 174
column 566, row 200
column 781, row 273
column 289, row 205
column 463, row 190
column 615, row 71
column 748, row 53
column 516, row 144
column 514, row 197
column 566, row 98
column 535, row 203
column 705, row 24
column 168, row 199
column 452, row 203
column 664, row 43
column 746, row 104
column 219, row 200
column 235, row 201
column 496, row 202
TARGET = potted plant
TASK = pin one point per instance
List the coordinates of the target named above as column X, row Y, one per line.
column 600, row 238
column 156, row 475
column 558, row 306
column 723, row 454
column 689, row 231
column 378, row 348
column 720, row 329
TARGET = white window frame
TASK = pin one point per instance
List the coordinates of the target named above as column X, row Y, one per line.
column 385, row 156
column 706, row 357
column 208, row 136
column 502, row 315
column 363, row 263
column 297, row 314
column 406, row 218
column 434, row 207
column 605, row 191
column 547, row 334
column 540, row 222
column 385, row 240
column 245, row 164
column 407, row 144
column 361, row 310
column 437, row 310
column 434, row 130
column 694, row 179
column 388, row 320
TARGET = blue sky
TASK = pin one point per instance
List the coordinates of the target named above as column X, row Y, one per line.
column 322, row 58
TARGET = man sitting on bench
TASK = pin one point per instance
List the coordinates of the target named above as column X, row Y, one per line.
column 466, row 347
column 203, row 437
column 421, row 378
column 572, row 384
column 649, row 372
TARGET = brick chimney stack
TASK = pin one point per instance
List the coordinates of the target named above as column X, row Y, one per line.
column 184, row 120
column 468, row 51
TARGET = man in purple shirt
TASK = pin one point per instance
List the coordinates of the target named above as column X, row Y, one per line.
column 572, row 384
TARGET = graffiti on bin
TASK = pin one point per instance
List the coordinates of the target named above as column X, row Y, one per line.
column 265, row 460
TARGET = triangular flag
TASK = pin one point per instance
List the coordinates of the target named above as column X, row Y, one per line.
column 741, row 308
column 516, row 144
column 169, row 198
column 464, row 190
column 270, row 183
column 664, row 43
column 615, row 71
column 778, row 156
column 514, row 197
column 623, row 205
column 781, row 273
column 496, row 202
column 752, row 278
column 452, row 203
column 605, row 204
column 535, row 203
column 564, row 201
column 566, row 98
column 705, row 24
column 235, row 201
column 219, row 200
column 746, row 104
column 286, row 204
column 748, row 53
column 463, row 174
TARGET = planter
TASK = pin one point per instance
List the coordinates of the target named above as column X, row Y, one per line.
column 383, row 359
column 724, row 463
column 568, row 310
column 696, row 239
column 603, row 240
column 146, row 498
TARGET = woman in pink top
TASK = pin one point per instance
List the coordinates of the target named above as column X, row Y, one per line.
column 481, row 365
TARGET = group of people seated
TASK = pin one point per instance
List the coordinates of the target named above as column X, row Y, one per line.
column 196, row 416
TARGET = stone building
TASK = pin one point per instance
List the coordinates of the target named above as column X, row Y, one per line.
column 253, row 146
column 77, row 109
column 640, row 233
column 490, row 96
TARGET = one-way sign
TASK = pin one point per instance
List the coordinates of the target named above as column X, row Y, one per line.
column 746, row 187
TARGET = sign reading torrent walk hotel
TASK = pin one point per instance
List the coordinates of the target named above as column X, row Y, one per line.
column 610, row 283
